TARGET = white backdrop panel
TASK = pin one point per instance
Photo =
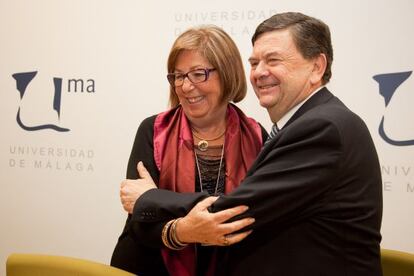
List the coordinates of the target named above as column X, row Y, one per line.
column 59, row 190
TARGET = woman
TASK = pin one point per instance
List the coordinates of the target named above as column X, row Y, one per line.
column 203, row 144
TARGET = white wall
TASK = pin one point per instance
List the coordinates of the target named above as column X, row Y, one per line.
column 59, row 190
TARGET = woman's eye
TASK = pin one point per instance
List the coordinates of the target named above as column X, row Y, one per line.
column 198, row 74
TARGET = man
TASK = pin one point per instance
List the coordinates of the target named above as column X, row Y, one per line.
column 315, row 188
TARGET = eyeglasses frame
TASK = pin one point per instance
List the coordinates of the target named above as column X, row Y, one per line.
column 172, row 80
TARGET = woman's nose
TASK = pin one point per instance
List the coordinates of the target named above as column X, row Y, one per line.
column 187, row 85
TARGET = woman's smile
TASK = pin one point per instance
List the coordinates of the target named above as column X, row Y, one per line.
column 194, row 100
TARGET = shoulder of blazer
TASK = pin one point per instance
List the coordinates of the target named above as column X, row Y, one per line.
column 323, row 96
column 147, row 125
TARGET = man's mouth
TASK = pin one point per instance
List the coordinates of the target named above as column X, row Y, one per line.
column 267, row 86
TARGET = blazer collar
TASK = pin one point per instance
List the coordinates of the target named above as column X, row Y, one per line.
column 318, row 98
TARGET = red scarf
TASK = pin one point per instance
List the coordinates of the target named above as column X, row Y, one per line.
column 174, row 157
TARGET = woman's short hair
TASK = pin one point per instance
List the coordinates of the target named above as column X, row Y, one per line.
column 215, row 45
column 310, row 35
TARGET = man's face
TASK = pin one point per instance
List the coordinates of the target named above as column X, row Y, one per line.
column 280, row 76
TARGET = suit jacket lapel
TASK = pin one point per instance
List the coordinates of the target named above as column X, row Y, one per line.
column 319, row 98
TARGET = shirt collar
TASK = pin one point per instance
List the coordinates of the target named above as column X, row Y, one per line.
column 282, row 122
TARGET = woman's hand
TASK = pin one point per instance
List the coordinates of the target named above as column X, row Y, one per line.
column 201, row 226
column 132, row 189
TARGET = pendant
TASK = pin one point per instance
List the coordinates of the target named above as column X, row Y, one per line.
column 203, row 145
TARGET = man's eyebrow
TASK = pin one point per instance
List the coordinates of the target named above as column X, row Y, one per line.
column 266, row 55
column 252, row 59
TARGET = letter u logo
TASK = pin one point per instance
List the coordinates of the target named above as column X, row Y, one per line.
column 22, row 81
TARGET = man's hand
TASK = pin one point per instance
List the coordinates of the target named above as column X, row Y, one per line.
column 201, row 226
column 132, row 189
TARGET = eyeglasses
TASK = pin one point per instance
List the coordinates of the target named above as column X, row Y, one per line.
column 195, row 76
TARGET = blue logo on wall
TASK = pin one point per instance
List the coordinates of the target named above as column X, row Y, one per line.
column 22, row 81
column 388, row 84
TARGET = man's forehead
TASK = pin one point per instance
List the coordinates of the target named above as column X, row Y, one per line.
column 273, row 36
column 272, row 43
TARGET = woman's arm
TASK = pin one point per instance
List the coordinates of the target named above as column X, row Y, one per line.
column 129, row 254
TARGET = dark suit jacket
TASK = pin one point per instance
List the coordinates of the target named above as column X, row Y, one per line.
column 315, row 192
column 129, row 253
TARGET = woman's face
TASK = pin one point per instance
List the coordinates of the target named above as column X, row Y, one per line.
column 200, row 101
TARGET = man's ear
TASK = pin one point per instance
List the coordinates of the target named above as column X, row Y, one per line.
column 319, row 67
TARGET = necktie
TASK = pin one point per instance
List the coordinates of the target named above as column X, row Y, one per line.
column 273, row 133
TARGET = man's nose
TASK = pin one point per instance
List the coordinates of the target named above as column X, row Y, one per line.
column 260, row 70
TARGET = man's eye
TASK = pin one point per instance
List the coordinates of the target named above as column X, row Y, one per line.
column 273, row 60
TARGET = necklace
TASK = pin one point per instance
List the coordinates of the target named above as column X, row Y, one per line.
column 203, row 143
column 218, row 174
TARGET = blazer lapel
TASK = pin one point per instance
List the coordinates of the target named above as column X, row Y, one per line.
column 320, row 97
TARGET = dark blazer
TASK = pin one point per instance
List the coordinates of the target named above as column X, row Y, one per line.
column 315, row 191
column 129, row 253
